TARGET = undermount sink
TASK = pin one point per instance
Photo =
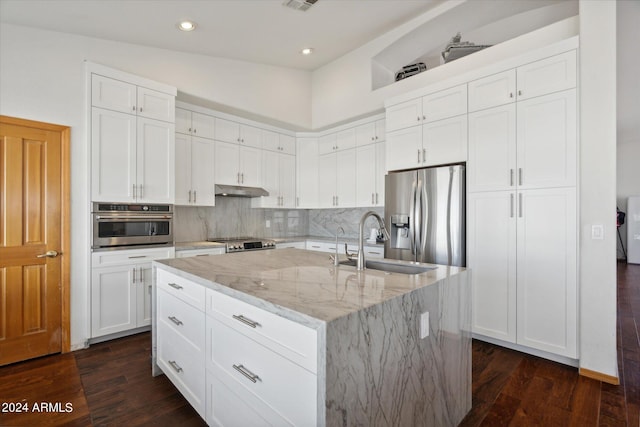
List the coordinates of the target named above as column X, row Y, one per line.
column 391, row 266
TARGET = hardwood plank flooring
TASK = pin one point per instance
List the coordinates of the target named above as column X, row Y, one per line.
column 110, row 384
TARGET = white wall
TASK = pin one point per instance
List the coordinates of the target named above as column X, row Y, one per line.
column 628, row 107
column 597, row 67
column 42, row 78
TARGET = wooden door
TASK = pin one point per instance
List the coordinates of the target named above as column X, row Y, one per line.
column 33, row 262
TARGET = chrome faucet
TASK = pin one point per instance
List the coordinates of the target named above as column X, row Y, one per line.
column 361, row 265
column 336, row 260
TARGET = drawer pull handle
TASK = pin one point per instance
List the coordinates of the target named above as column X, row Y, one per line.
column 174, row 286
column 137, row 256
column 176, row 320
column 246, row 321
column 175, row 366
column 247, row 373
column 373, row 253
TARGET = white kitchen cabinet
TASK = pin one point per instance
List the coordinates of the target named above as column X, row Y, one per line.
column 547, row 270
column 132, row 158
column 237, row 165
column 186, row 253
column 444, row 104
column 279, row 142
column 194, row 171
column 370, row 175
column 327, row 144
column 491, row 91
column 492, row 149
column 228, row 131
column 307, row 172
column 337, row 179
column 491, row 255
column 553, row 74
column 371, row 132
column 434, row 143
column 194, row 123
column 292, row 245
column 279, row 174
column 121, row 289
column 547, row 141
column 118, row 95
column 404, row 115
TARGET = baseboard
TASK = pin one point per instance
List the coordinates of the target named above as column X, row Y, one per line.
column 524, row 349
column 609, row 379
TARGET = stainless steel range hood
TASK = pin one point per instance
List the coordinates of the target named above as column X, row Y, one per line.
column 240, row 191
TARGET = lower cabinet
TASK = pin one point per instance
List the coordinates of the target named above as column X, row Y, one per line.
column 121, row 289
column 236, row 364
column 522, row 250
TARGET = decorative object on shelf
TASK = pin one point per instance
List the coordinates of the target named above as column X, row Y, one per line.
column 457, row 49
column 411, row 70
column 620, row 216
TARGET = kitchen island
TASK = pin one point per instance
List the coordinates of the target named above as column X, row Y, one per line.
column 314, row 343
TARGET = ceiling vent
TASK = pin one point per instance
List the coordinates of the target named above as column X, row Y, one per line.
column 302, row 5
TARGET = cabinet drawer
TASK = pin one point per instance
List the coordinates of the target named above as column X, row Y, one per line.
column 199, row 252
column 182, row 318
column 286, row 387
column 292, row 340
column 186, row 290
column 130, row 256
column 183, row 364
column 322, row 246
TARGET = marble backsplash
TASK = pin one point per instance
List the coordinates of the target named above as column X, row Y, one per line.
column 234, row 217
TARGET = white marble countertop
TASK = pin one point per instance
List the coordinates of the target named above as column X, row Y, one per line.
column 301, row 285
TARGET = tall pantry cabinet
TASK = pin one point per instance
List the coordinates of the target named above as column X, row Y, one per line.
column 522, row 207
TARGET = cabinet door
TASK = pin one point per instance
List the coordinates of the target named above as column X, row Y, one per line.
column 227, row 161
column 327, row 181
column 183, row 121
column 404, row 115
column 155, row 165
column 346, row 178
column 366, row 134
column 270, row 179
column 287, row 178
column 183, row 192
column 493, row 90
column 250, row 166
column 404, row 149
column 491, row 249
column 270, row 140
column 492, row 149
column 445, row 141
column 381, row 130
column 227, row 131
column 327, row 144
column 113, row 156
column 156, row 105
column 547, row 141
column 287, row 144
column 548, row 75
column 366, row 175
column 380, row 173
column 202, row 172
column 346, row 139
column 203, row 125
column 250, row 136
column 547, row 284
column 143, row 285
column 445, row 103
column 113, row 94
column 307, row 173
column 113, row 300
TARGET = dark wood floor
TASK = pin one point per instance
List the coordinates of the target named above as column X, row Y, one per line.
column 110, row 384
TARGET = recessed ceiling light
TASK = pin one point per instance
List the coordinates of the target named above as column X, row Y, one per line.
column 186, row 25
column 307, row 51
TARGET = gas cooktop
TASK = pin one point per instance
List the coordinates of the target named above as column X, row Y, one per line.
column 239, row 244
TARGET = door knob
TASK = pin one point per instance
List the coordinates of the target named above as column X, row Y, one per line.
column 48, row 254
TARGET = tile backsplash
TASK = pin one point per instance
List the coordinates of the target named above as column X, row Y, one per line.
column 234, row 217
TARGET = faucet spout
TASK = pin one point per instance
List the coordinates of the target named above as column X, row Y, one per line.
column 361, row 262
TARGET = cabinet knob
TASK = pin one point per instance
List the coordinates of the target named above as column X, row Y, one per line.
column 195, row 130
column 510, row 94
column 134, row 108
column 519, row 92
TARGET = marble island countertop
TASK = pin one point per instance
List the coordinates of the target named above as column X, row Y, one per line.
column 301, row 285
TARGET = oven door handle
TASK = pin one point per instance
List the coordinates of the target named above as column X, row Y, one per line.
column 124, row 218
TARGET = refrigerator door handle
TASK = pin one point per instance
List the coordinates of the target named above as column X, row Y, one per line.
column 412, row 212
column 418, row 214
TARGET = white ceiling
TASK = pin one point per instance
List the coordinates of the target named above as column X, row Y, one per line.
column 261, row 31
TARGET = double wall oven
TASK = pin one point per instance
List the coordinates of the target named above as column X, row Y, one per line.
column 130, row 226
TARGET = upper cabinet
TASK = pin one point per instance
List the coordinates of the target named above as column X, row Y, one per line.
column 132, row 142
column 307, row 173
column 496, row 89
column 228, row 131
column 371, row 132
column 117, row 95
column 336, row 141
column 193, row 123
column 274, row 141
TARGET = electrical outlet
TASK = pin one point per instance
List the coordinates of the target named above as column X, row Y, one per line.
column 268, row 224
column 424, row 324
column 597, row 232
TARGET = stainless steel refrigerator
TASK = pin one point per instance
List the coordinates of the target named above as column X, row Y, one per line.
column 424, row 213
